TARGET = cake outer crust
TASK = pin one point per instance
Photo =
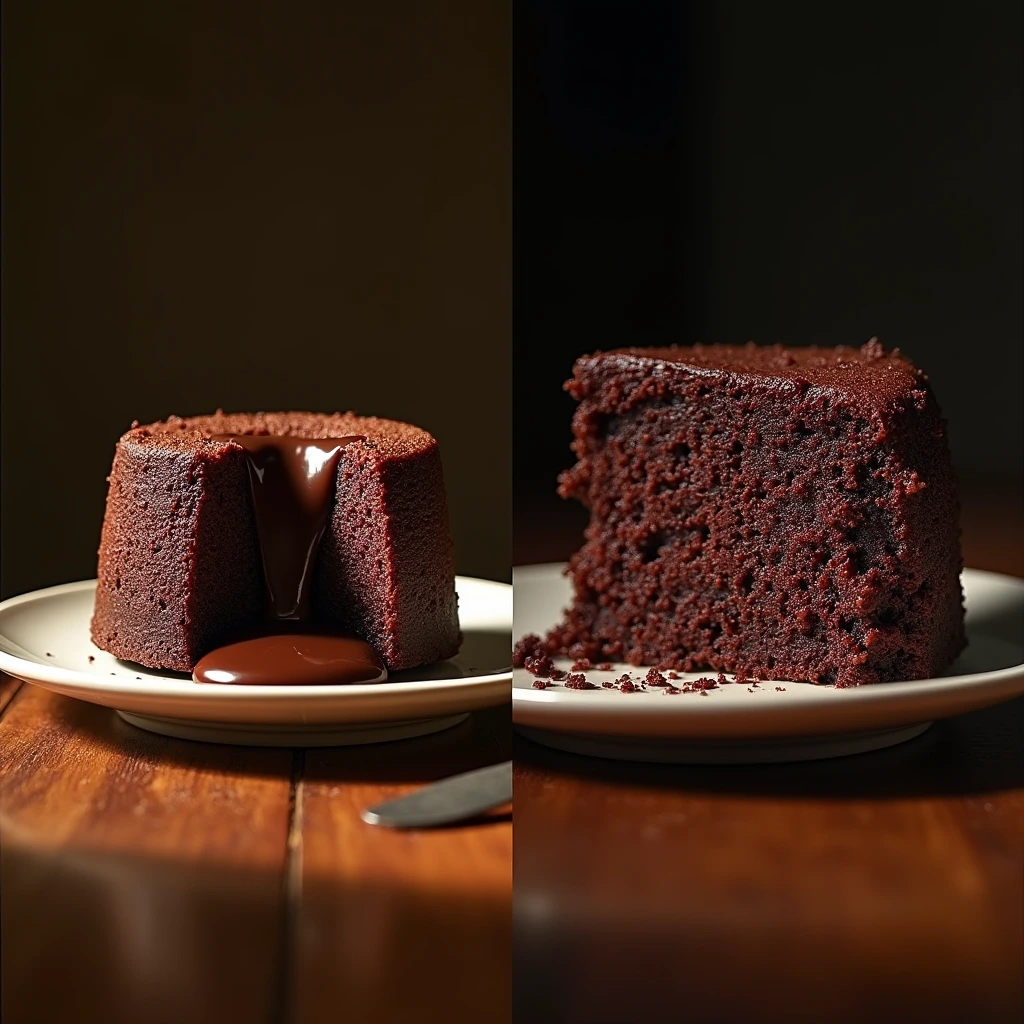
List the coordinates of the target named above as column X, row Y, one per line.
column 179, row 559
column 771, row 512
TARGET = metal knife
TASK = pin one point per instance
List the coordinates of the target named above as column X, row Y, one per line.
column 452, row 799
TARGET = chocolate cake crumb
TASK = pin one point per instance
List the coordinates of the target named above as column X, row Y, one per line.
column 722, row 681
column 628, row 686
column 608, row 685
column 558, row 675
column 581, row 665
column 673, row 675
column 91, row 659
column 542, row 684
column 539, row 665
column 605, row 666
column 578, row 681
column 781, row 689
column 49, row 655
column 655, row 678
column 529, row 645
column 672, row 690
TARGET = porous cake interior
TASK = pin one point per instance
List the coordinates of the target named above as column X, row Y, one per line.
column 756, row 522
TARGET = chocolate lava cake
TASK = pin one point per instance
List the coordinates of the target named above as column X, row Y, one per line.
column 180, row 561
column 785, row 513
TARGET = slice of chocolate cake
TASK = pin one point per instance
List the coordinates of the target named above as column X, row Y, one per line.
column 180, row 562
column 779, row 513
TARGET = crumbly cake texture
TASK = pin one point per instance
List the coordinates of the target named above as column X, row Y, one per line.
column 779, row 513
column 179, row 558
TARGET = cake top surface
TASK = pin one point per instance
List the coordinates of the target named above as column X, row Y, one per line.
column 196, row 433
column 868, row 369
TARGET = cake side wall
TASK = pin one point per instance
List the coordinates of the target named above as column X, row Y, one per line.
column 226, row 592
column 351, row 580
column 386, row 568
column 145, row 559
column 740, row 524
column 423, row 559
column 930, row 526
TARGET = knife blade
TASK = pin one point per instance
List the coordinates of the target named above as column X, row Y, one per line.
column 452, row 799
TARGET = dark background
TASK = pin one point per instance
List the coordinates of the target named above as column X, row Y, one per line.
column 252, row 206
column 797, row 173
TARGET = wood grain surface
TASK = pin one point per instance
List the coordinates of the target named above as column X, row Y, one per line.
column 8, row 688
column 146, row 879
column 396, row 925
column 879, row 887
column 141, row 876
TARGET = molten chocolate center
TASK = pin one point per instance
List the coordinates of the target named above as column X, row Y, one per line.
column 292, row 481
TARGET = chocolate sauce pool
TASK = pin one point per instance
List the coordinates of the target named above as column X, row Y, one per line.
column 292, row 481
column 292, row 659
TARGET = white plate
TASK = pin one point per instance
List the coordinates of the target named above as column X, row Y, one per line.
column 44, row 639
column 737, row 723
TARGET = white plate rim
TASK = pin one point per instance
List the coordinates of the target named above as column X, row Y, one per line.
column 30, row 668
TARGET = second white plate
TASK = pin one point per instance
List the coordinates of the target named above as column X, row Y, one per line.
column 774, row 720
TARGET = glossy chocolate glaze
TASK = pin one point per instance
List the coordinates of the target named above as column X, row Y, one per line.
column 291, row 479
column 300, row 658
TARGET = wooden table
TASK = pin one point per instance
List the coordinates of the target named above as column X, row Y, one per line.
column 883, row 887
column 145, row 879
